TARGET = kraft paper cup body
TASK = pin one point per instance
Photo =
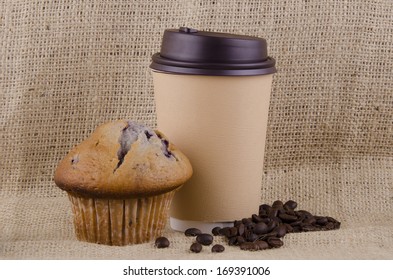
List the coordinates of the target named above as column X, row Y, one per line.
column 220, row 123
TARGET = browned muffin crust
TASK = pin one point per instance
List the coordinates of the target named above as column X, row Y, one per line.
column 123, row 159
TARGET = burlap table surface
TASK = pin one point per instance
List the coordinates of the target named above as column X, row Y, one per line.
column 67, row 66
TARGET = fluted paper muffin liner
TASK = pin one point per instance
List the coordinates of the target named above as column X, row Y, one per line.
column 120, row 221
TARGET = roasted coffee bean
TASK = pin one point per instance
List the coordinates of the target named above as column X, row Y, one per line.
column 247, row 221
column 217, row 248
column 264, row 207
column 250, row 227
column 216, row 231
column 240, row 240
column 262, row 214
column 296, row 223
column 232, row 241
column 223, row 231
column 291, row 204
column 261, row 228
column 304, row 213
column 308, row 227
column 287, row 218
column 300, row 215
column 247, row 232
column 329, row 226
column 289, row 228
column 204, row 239
column 321, row 220
column 272, row 225
column 275, row 242
column 273, row 212
column 237, row 223
column 281, row 211
column 232, row 232
column 278, row 204
column 310, row 220
column 252, row 237
column 289, row 211
column 192, row 232
column 249, row 246
column 296, row 229
column 336, row 224
column 241, row 229
column 162, row 242
column 267, row 235
column 266, row 220
column 195, row 247
column 262, row 245
column 330, row 219
column 256, row 219
column 281, row 230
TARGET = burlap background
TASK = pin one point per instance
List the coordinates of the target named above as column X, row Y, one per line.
column 67, row 66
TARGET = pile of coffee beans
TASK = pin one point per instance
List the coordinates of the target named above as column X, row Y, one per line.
column 264, row 230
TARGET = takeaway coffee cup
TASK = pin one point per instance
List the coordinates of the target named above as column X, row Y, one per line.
column 212, row 94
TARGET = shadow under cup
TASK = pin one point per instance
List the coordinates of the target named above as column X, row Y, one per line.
column 212, row 93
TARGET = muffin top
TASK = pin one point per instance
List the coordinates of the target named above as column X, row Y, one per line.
column 123, row 159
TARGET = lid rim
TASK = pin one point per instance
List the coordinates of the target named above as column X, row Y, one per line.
column 170, row 69
column 267, row 63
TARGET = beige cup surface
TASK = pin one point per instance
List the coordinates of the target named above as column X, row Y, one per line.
column 220, row 124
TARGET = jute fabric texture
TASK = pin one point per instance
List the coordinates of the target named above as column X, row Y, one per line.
column 66, row 66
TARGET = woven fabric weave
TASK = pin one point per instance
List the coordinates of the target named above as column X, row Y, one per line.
column 68, row 66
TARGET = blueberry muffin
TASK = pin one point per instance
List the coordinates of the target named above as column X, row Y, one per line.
column 121, row 181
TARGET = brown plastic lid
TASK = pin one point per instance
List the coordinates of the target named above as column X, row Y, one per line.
column 189, row 51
